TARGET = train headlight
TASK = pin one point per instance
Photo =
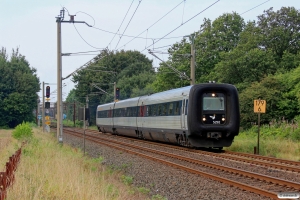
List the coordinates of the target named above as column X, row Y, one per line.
column 223, row 118
column 213, row 94
column 204, row 119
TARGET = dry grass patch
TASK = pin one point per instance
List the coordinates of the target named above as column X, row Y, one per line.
column 5, row 138
column 8, row 147
column 49, row 170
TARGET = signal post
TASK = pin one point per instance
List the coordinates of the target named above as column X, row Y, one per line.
column 259, row 107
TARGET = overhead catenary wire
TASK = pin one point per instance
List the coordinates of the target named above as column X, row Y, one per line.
column 121, row 23
column 183, row 11
column 162, row 47
column 88, row 15
column 82, row 52
column 131, row 36
column 85, row 40
column 182, row 24
column 254, row 7
column 92, row 61
column 128, row 23
column 153, row 25
column 157, row 39
column 137, row 37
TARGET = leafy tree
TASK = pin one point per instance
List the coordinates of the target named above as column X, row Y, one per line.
column 130, row 70
column 268, row 89
column 19, row 85
column 280, row 30
column 221, row 35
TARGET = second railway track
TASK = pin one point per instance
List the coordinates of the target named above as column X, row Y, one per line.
column 258, row 183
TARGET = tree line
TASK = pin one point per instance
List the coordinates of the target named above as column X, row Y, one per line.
column 260, row 57
column 19, row 85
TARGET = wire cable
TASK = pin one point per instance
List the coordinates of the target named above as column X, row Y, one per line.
column 163, row 46
column 128, row 23
column 130, row 36
column 86, row 14
column 84, row 39
column 182, row 24
column 182, row 12
column 255, row 7
column 121, row 23
column 153, row 25
column 82, row 52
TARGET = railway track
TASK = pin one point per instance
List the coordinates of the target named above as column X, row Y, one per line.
column 274, row 163
column 258, row 183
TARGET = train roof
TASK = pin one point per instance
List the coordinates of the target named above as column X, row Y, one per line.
column 183, row 91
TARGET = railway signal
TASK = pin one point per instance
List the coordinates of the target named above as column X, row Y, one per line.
column 117, row 93
column 48, row 91
column 47, row 105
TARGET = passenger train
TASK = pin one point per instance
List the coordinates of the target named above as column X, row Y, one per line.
column 202, row 115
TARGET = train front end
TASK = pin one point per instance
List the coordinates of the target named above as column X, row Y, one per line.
column 213, row 115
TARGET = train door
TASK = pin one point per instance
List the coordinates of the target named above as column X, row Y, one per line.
column 183, row 113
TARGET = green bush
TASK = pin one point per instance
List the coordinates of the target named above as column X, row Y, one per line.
column 22, row 131
column 296, row 135
column 127, row 179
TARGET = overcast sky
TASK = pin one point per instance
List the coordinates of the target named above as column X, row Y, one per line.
column 31, row 26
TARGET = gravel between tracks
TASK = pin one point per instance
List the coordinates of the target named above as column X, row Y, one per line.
column 162, row 180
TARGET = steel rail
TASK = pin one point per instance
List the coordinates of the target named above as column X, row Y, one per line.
column 290, row 162
column 215, row 166
column 228, row 169
column 211, row 176
column 232, row 156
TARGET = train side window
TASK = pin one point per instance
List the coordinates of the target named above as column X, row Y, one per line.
column 118, row 112
column 154, row 113
column 146, row 111
column 134, row 111
column 170, row 108
column 158, row 111
column 149, row 110
column 124, row 112
column 164, row 109
column 177, row 107
column 128, row 112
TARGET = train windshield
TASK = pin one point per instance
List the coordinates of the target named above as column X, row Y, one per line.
column 213, row 103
